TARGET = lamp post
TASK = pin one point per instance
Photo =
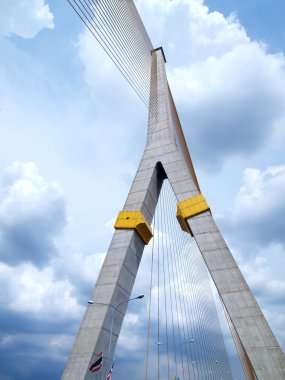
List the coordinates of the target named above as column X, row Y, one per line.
column 115, row 308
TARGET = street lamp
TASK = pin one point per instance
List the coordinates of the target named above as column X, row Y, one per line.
column 91, row 302
column 182, row 344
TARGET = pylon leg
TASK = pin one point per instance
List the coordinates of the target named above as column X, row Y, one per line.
column 257, row 340
column 115, row 282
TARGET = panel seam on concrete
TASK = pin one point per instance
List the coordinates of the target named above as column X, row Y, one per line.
column 213, row 250
column 109, row 331
column 123, row 264
column 236, row 291
column 111, row 283
column 222, row 269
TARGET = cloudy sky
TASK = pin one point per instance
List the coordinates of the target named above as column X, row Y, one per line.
column 73, row 131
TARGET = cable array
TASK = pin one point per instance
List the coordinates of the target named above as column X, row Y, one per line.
column 118, row 28
column 184, row 336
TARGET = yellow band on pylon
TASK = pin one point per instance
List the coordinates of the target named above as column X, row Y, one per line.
column 190, row 207
column 134, row 220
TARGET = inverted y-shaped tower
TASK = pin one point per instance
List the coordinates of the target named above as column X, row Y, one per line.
column 166, row 156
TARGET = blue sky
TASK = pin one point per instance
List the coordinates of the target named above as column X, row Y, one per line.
column 72, row 133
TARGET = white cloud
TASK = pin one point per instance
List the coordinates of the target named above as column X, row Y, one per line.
column 259, row 209
column 101, row 75
column 66, row 266
column 36, row 293
column 26, row 18
column 51, row 345
column 277, row 318
column 131, row 318
column 255, row 225
column 32, row 215
column 261, row 193
column 130, row 341
column 110, row 224
column 200, row 33
column 265, row 276
column 233, row 104
column 108, row 88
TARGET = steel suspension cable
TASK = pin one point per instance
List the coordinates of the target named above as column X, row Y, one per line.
column 182, row 267
column 128, row 25
column 202, row 346
column 176, row 294
column 176, row 228
column 164, row 284
column 215, row 344
column 105, row 35
column 107, row 22
column 150, row 301
column 118, row 28
column 184, row 294
column 207, row 313
column 201, row 315
column 158, row 293
column 171, row 292
column 210, row 346
column 93, row 32
column 199, row 365
column 177, row 252
column 188, row 310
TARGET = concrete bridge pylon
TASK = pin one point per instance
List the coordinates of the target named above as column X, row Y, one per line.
column 166, row 156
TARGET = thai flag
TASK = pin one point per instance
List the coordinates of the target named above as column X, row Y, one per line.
column 110, row 372
column 98, row 364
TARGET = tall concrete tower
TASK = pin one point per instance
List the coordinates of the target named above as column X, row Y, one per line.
column 166, row 156
column 118, row 28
